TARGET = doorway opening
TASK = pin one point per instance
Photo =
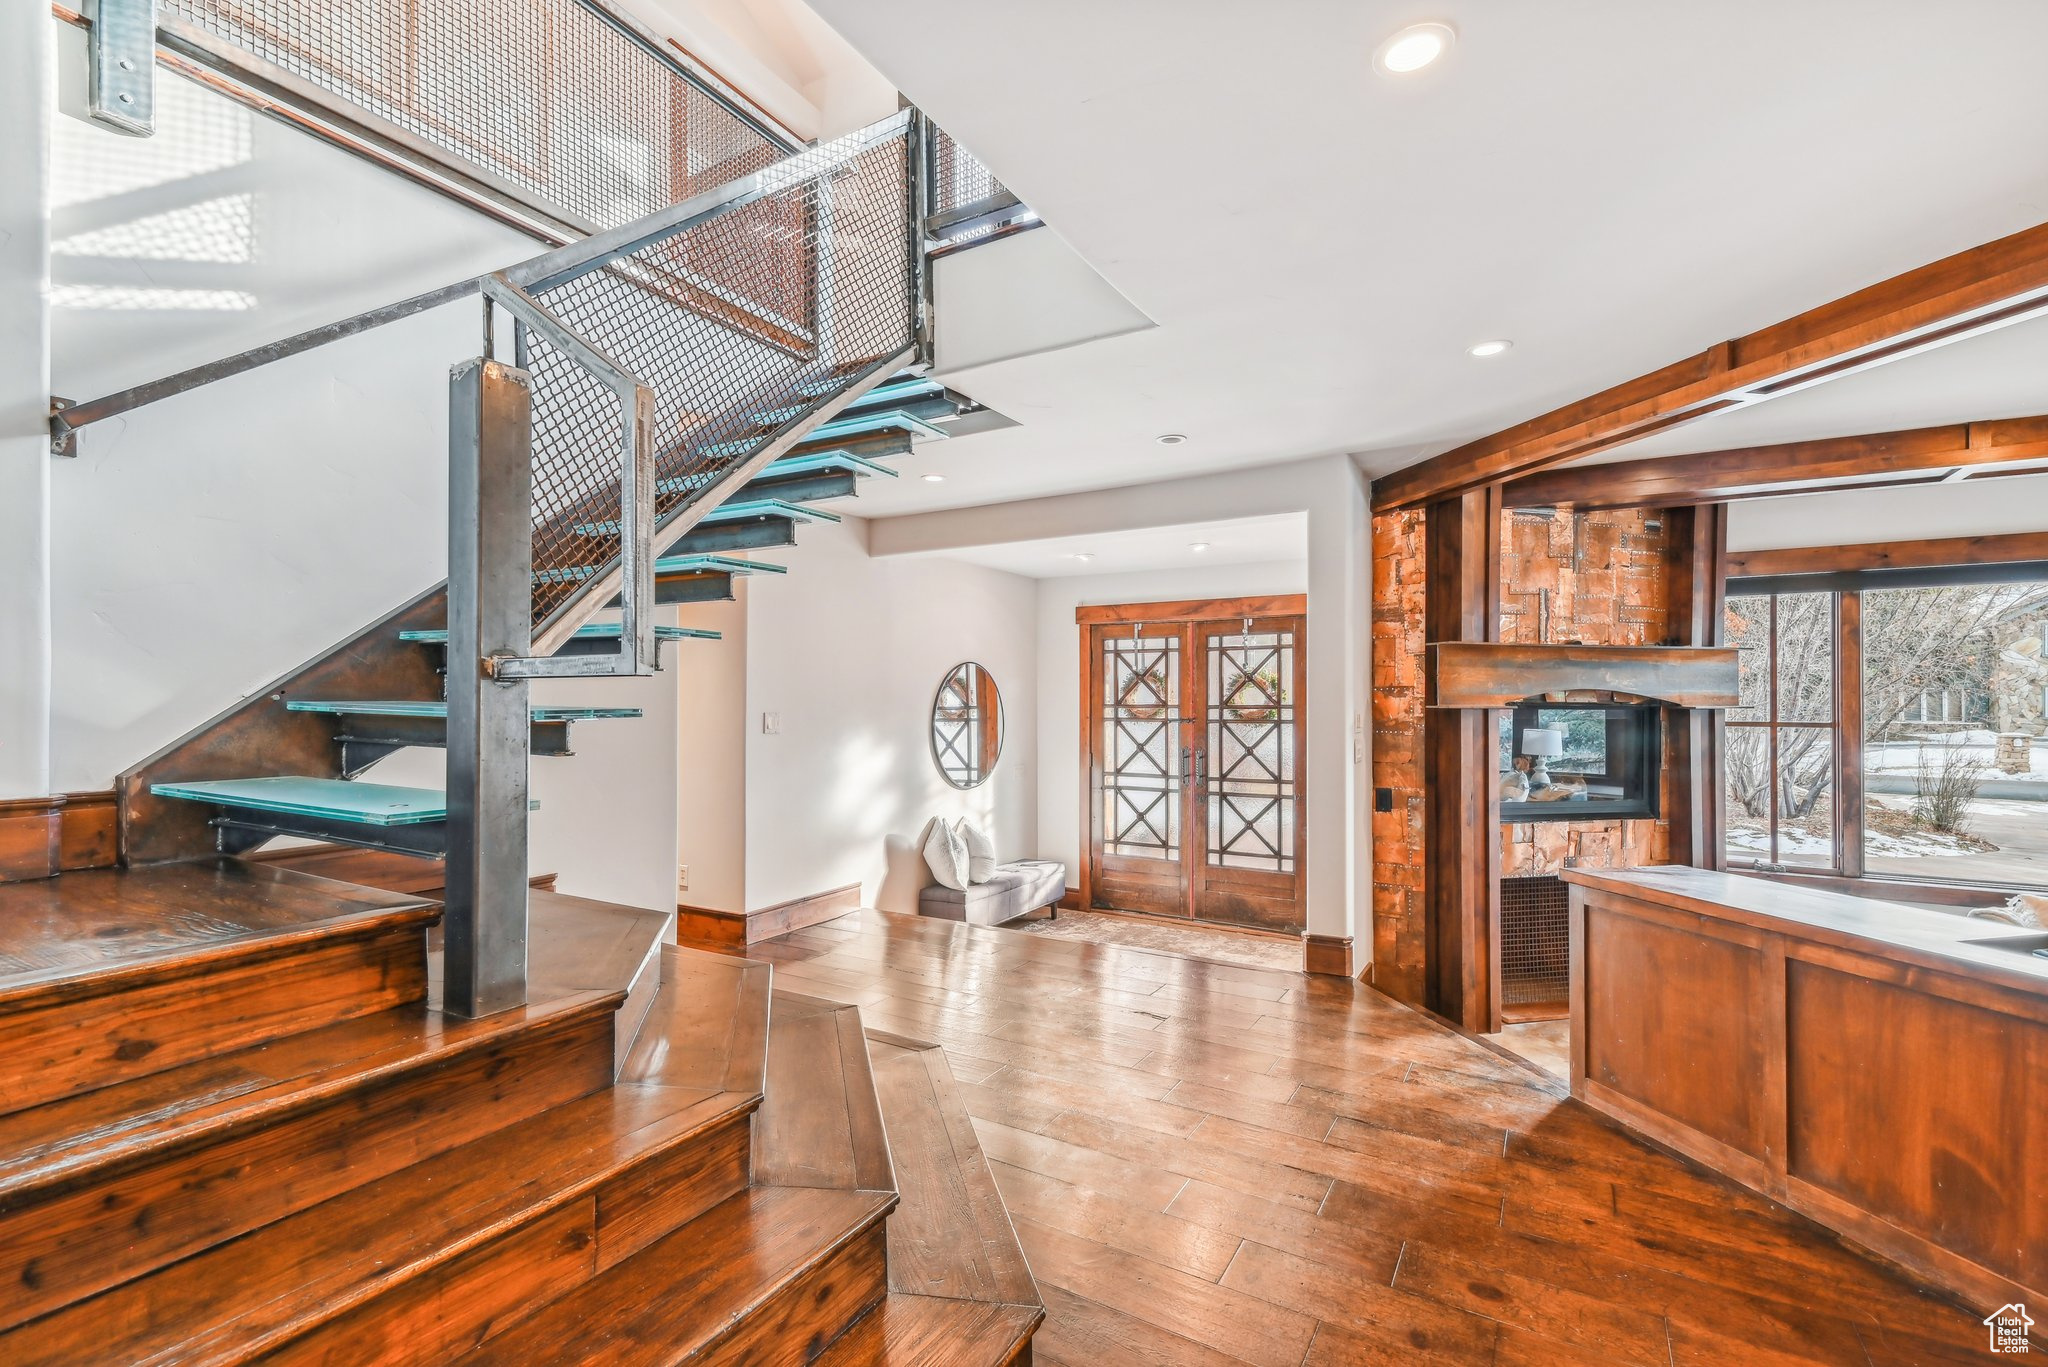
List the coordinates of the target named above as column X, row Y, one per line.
column 1192, row 758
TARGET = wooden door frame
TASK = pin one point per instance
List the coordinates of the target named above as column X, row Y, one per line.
column 1185, row 613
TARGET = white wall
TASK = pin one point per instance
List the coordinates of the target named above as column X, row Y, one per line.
column 711, row 738
column 25, row 98
column 849, row 651
column 1988, row 507
column 1059, row 665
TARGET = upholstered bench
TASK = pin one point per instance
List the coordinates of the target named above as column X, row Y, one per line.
column 1014, row 890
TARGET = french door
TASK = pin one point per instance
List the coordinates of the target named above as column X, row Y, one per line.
column 1193, row 748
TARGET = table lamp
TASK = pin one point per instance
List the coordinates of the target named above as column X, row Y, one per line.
column 1541, row 744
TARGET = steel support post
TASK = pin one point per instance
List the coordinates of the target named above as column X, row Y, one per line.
column 490, row 596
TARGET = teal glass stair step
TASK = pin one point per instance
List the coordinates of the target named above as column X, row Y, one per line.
column 596, row 631
column 730, row 512
column 826, row 462
column 747, row 509
column 330, row 799
column 440, row 709
column 863, row 423
column 715, row 564
column 847, row 425
column 900, row 389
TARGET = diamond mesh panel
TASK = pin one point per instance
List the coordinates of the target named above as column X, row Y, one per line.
column 544, row 94
column 1535, row 946
column 958, row 179
column 735, row 324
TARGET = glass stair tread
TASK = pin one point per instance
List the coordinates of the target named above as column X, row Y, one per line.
column 846, row 425
column 333, row 799
column 715, row 564
column 882, row 420
column 746, row 509
column 598, row 631
column 440, row 709
column 900, row 389
column 826, row 462
column 729, row 512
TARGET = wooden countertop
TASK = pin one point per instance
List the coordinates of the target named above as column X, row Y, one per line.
column 1889, row 930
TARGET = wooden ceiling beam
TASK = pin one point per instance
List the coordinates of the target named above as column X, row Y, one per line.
column 1964, row 295
column 1941, row 553
column 1916, row 455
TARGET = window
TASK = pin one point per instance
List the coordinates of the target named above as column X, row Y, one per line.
column 1955, row 745
column 1781, row 747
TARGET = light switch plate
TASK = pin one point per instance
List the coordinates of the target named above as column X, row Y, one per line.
column 771, row 723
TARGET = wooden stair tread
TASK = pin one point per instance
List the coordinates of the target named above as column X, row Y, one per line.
column 63, row 1141
column 951, row 1236
column 821, row 1124
column 81, row 934
column 720, row 1003
column 241, row 1299
column 680, row 1298
column 932, row 1331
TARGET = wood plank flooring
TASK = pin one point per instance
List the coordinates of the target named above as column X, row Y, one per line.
column 1213, row 1165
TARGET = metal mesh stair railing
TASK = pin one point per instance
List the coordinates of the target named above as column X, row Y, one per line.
column 747, row 317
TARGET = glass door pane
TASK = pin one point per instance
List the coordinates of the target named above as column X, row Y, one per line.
column 1141, row 750
column 1248, row 769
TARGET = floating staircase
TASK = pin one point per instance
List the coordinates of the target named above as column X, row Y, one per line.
column 330, row 803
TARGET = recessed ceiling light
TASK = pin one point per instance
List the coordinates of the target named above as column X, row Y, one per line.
column 1198, row 546
column 1414, row 48
column 1171, row 438
column 1489, row 348
column 1083, row 556
column 933, row 479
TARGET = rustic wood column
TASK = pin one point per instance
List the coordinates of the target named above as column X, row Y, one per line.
column 1461, row 819
column 1698, row 538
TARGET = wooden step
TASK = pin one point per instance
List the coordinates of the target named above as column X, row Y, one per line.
column 113, row 974
column 952, row 1235
column 437, row 1257
column 773, row 1275
column 821, row 1124
column 574, row 944
column 931, row 1331
column 960, row 1291
column 103, row 1187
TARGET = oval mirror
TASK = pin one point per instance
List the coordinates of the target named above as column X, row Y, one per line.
column 967, row 725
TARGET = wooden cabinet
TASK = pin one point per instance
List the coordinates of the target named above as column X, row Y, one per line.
column 1882, row 1069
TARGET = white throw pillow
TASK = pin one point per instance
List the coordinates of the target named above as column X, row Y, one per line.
column 981, row 852
column 946, row 855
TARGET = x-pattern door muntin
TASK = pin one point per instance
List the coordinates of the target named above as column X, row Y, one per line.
column 1194, row 731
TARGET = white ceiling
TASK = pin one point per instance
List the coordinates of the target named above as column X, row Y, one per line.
column 1243, row 541
column 1612, row 184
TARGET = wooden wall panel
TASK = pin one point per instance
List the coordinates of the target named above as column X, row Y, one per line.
column 1461, row 806
column 1928, row 1113
column 1695, row 1046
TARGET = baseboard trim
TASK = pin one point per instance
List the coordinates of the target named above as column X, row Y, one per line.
column 1070, row 900
column 61, row 833
column 1327, row 955
column 710, row 928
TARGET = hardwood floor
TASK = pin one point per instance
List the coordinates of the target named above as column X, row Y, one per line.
column 1212, row 1165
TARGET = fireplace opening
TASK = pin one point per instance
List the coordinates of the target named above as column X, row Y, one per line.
column 1580, row 761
